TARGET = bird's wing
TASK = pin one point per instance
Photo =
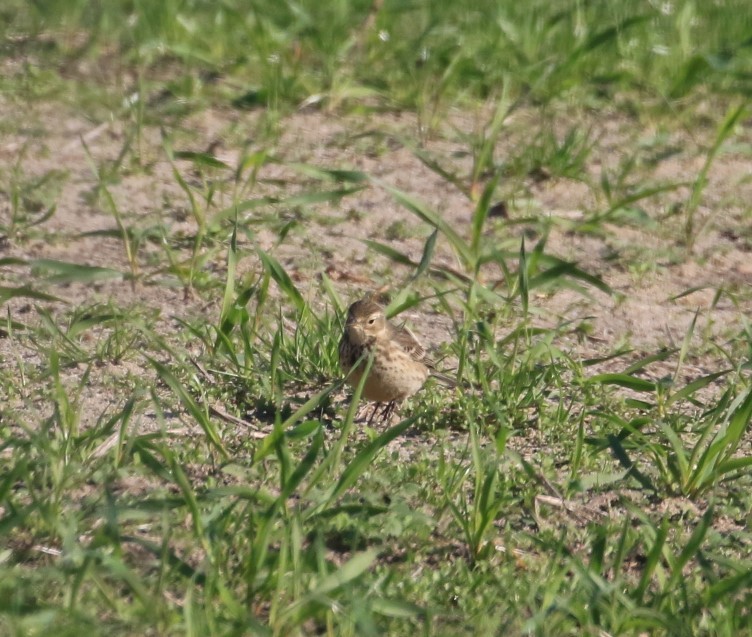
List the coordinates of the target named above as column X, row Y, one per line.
column 409, row 343
column 403, row 337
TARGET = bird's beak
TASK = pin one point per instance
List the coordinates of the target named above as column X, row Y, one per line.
column 354, row 330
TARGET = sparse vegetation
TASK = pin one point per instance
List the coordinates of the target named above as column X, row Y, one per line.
column 555, row 195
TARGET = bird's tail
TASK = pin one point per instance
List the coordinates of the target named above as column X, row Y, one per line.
column 445, row 380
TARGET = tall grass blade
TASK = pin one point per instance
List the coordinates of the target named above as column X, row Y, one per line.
column 350, row 570
column 557, row 272
column 698, row 187
column 691, row 548
column 425, row 260
column 25, row 291
column 199, row 414
column 389, row 252
column 484, row 158
column 232, row 261
column 624, row 380
column 365, row 457
column 652, row 560
column 523, row 280
column 282, row 279
column 73, row 272
column 433, row 219
column 480, row 214
column 304, row 466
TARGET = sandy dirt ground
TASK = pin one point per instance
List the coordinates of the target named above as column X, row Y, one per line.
column 658, row 287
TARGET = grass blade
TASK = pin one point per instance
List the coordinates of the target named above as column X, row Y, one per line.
column 350, row 570
column 480, row 214
column 522, row 279
column 652, row 560
column 624, row 380
column 282, row 279
column 24, row 291
column 425, row 260
column 433, row 219
column 200, row 415
column 365, row 457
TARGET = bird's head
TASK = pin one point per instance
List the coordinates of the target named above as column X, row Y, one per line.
column 365, row 321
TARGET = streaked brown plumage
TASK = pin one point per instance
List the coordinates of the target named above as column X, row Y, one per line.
column 399, row 366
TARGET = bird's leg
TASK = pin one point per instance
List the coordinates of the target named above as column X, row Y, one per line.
column 387, row 412
column 373, row 413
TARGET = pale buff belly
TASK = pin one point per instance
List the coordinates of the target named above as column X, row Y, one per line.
column 394, row 378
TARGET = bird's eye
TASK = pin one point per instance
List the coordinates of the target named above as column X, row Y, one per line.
column 371, row 321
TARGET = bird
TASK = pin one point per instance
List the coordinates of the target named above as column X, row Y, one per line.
column 400, row 366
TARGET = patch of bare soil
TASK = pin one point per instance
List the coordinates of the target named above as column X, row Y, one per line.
column 659, row 288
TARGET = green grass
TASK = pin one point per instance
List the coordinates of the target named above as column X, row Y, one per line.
column 178, row 453
column 422, row 55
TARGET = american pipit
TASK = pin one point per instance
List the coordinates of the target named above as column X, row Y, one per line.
column 399, row 366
